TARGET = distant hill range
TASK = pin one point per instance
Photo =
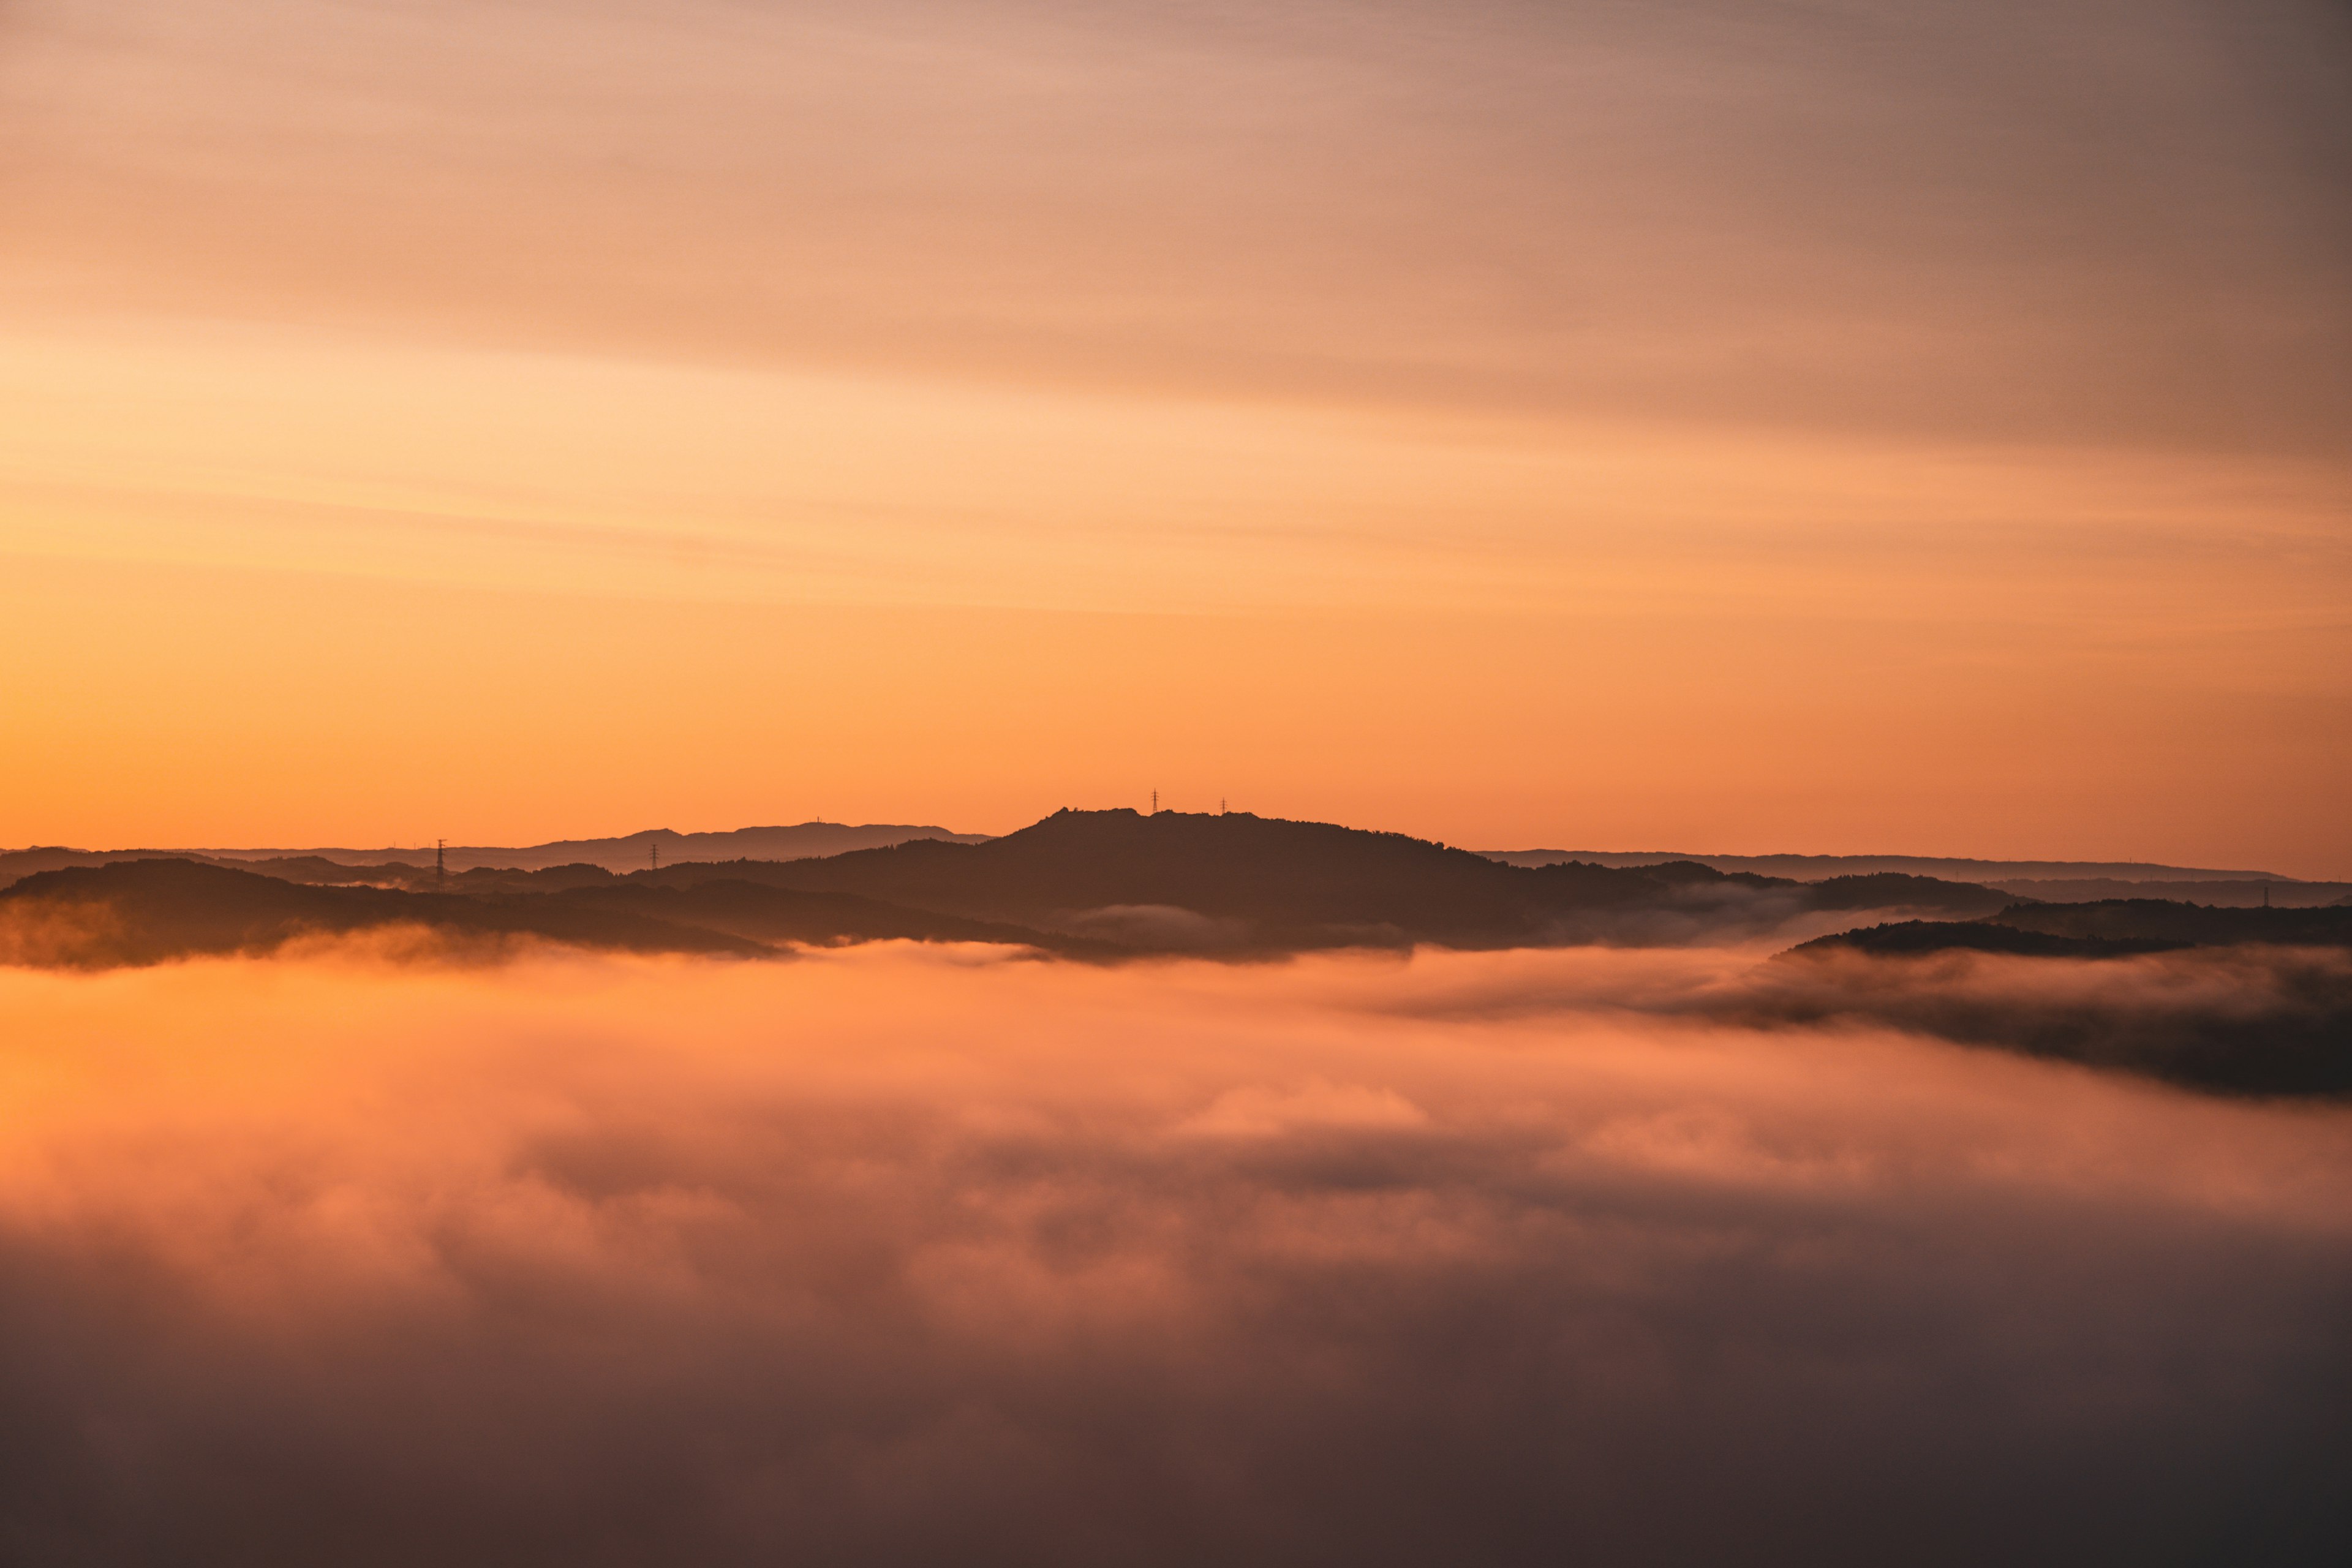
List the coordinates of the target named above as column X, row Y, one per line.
column 2047, row 881
column 2107, row 928
column 1814, row 868
column 1103, row 883
column 1098, row 881
column 2270, row 892
column 2052, row 881
column 632, row 851
column 1178, row 881
column 135, row 912
column 1114, row 885
column 628, row 853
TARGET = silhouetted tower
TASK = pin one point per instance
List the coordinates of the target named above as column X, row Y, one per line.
column 654, row 845
column 1155, row 803
column 440, row 862
column 1221, row 805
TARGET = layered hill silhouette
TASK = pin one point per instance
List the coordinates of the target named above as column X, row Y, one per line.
column 1816, row 868
column 2107, row 928
column 395, row 865
column 2266, row 893
column 150, row 911
column 2269, row 1011
column 1092, row 884
column 147, row 911
column 1240, row 883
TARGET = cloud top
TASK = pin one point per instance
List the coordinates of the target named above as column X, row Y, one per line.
column 899, row 1255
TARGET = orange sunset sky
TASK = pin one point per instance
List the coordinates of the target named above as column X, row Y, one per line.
column 1837, row 426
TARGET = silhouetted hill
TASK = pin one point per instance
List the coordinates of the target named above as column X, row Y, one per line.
column 1898, row 890
column 1112, row 885
column 17, row 864
column 630, row 851
column 1909, row 937
column 1081, row 883
column 1817, row 868
column 1236, row 883
column 2109, row 927
column 2205, row 925
column 414, row 866
column 146, row 911
column 149, row 911
column 424, row 879
column 2267, row 892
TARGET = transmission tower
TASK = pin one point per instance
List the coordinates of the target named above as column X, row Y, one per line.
column 440, row 862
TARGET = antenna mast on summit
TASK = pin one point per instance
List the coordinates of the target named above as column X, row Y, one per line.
column 1155, row 803
column 654, row 846
column 440, row 862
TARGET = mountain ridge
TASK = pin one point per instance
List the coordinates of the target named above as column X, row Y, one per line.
column 626, row 852
column 1243, row 883
column 1080, row 883
column 1961, row 868
column 2266, row 1008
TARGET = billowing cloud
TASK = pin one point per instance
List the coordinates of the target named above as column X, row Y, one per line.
column 912, row 1256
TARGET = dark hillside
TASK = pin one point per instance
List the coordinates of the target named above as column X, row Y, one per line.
column 1896, row 890
column 1907, row 938
column 1269, row 884
column 1289, row 883
column 2203, row 924
column 149, row 911
column 17, row 864
column 1092, row 884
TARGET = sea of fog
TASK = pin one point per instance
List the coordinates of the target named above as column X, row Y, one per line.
column 902, row 1255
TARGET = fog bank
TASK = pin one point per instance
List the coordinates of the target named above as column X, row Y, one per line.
column 901, row 1254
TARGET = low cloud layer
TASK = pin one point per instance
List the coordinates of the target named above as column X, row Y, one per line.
column 922, row 1255
column 2249, row 1019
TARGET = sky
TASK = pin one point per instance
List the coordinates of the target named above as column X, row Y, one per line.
column 1734, row 427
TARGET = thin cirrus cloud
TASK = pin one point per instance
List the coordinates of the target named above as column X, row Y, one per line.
column 2029, row 222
